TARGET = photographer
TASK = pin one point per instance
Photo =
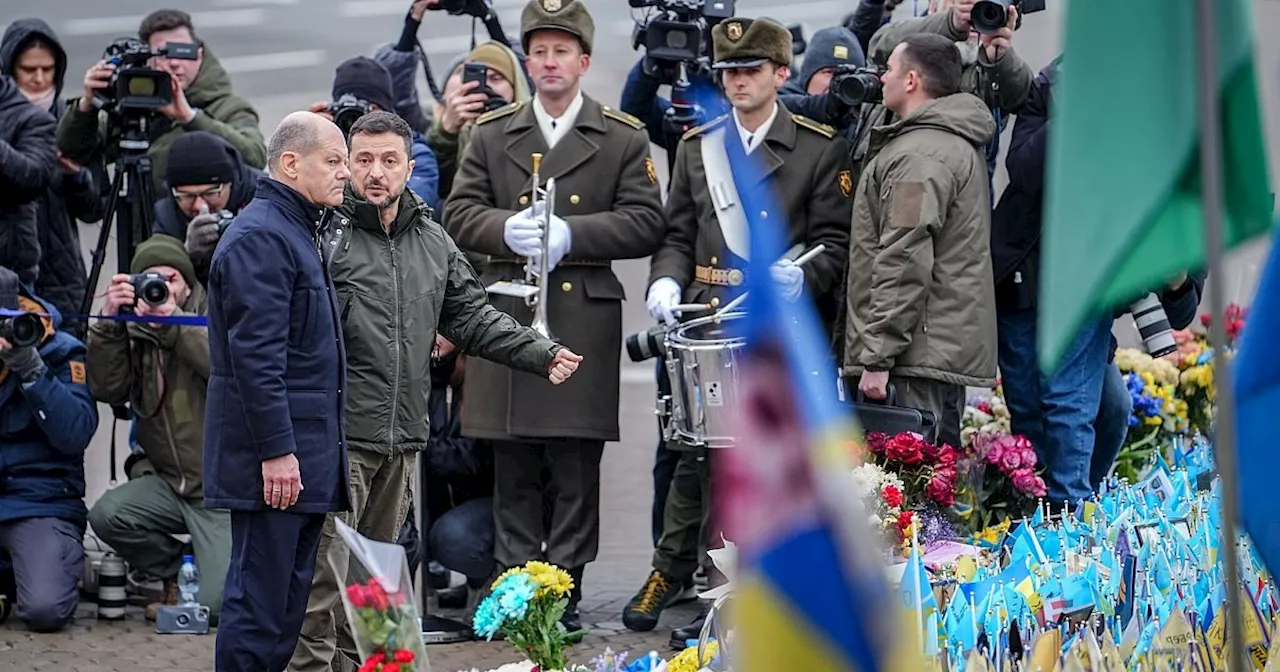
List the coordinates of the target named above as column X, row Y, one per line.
column 31, row 53
column 366, row 87
column 46, row 421
column 161, row 371
column 993, row 71
column 640, row 99
column 830, row 51
column 208, row 184
column 202, row 101
column 28, row 164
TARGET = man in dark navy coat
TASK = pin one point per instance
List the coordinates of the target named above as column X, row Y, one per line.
column 274, row 448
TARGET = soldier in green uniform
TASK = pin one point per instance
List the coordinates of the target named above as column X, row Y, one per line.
column 705, row 253
column 607, row 206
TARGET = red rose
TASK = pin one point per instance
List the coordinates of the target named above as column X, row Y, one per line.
column 378, row 598
column 941, row 491
column 947, row 455
column 368, row 666
column 1206, row 319
column 404, row 656
column 985, row 407
column 356, row 595
column 378, row 658
column 905, row 448
column 876, row 441
column 891, row 495
column 947, row 474
column 391, row 667
column 904, row 520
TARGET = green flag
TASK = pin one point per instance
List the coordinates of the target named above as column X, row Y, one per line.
column 1122, row 203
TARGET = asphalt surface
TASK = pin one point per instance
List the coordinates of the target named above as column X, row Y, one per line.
column 281, row 55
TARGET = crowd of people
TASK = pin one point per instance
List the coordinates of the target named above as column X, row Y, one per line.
column 303, row 328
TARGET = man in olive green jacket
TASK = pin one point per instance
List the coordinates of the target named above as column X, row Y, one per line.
column 399, row 278
column 161, row 371
column 202, row 101
column 921, row 296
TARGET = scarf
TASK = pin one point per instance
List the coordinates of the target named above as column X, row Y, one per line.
column 44, row 100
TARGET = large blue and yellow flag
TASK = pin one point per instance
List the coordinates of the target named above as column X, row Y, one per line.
column 810, row 590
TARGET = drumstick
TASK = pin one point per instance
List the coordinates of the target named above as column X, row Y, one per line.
column 690, row 307
column 800, row 261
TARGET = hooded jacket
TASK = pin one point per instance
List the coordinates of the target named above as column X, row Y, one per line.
column 27, row 164
column 170, row 220
column 45, row 426
column 70, row 197
column 221, row 112
column 162, row 373
column 921, row 301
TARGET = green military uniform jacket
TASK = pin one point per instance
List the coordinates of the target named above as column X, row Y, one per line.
column 921, row 296
column 607, row 191
column 806, row 166
column 226, row 115
column 395, row 289
column 162, row 373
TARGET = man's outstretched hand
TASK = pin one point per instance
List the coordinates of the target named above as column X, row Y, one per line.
column 563, row 366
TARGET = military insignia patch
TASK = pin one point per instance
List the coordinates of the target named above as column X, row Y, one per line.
column 845, row 179
column 551, row 5
column 841, row 52
column 734, row 31
column 77, row 373
column 650, row 170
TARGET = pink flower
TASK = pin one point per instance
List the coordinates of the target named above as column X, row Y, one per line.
column 1011, row 460
column 1029, row 457
column 947, row 474
column 995, row 452
column 940, row 490
column 1026, row 482
column 876, row 441
column 947, row 456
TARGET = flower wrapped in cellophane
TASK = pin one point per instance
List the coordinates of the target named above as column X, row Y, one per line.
column 378, row 599
column 525, row 605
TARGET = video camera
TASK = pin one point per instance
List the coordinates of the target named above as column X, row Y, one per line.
column 679, row 32
column 989, row 16
column 134, row 85
column 855, row 85
column 21, row 331
column 346, row 110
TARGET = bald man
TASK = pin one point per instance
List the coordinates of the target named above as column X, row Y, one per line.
column 274, row 451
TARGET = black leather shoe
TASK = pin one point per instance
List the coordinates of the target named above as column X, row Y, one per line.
column 437, row 575
column 572, row 622
column 681, row 636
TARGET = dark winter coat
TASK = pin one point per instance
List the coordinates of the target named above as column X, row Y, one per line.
column 277, row 380
column 27, row 164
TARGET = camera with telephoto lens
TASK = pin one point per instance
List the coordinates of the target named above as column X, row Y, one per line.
column 855, row 85
column 647, row 344
column 21, row 330
column 346, row 110
column 1153, row 325
column 476, row 8
column 135, row 87
column 149, row 286
column 677, row 43
column 183, row 619
column 989, row 16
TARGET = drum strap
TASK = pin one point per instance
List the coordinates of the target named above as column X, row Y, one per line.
column 724, row 193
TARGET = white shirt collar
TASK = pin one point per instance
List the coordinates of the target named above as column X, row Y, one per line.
column 555, row 128
column 753, row 139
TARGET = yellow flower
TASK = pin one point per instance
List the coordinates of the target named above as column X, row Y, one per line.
column 550, row 579
column 687, row 660
column 502, row 577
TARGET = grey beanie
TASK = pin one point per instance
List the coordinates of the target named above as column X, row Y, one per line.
column 830, row 47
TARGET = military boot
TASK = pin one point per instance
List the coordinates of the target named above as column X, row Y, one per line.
column 659, row 592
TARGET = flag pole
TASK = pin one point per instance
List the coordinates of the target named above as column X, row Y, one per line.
column 1224, row 420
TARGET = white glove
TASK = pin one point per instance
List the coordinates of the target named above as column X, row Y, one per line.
column 664, row 294
column 790, row 279
column 557, row 246
column 523, row 235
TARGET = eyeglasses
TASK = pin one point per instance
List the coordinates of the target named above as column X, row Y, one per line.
column 187, row 198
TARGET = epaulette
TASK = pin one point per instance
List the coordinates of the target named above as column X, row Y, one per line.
column 696, row 130
column 499, row 113
column 820, row 129
column 619, row 115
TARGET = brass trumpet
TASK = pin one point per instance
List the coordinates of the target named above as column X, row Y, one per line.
column 538, row 300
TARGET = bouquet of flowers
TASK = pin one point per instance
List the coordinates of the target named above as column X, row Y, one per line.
column 984, row 412
column 1195, row 360
column 1159, row 413
column 525, row 605
column 379, row 605
column 927, row 471
column 1000, row 479
column 882, row 492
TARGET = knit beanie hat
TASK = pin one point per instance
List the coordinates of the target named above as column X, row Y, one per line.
column 366, row 79
column 830, row 47
column 496, row 58
column 162, row 250
column 200, row 157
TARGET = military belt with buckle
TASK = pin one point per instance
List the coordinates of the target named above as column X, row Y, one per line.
column 596, row 263
column 723, row 277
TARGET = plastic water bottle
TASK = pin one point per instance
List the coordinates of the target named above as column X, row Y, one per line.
column 188, row 580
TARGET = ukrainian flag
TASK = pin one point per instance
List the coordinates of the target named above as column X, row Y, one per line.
column 810, row 590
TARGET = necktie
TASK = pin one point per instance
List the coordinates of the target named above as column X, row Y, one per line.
column 553, row 124
column 749, row 139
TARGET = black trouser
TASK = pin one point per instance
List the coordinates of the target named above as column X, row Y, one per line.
column 688, row 524
column 273, row 555
column 573, row 538
column 664, row 461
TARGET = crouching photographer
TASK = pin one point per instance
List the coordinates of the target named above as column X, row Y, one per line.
column 209, row 183
column 360, row 86
column 832, row 82
column 161, row 371
column 46, row 421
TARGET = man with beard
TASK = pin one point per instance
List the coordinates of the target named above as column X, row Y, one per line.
column 398, row 276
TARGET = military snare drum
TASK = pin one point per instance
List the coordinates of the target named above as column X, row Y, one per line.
column 703, row 365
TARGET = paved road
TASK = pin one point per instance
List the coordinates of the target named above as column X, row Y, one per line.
column 281, row 55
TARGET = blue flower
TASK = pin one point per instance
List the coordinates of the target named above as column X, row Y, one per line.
column 488, row 618
column 514, row 595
